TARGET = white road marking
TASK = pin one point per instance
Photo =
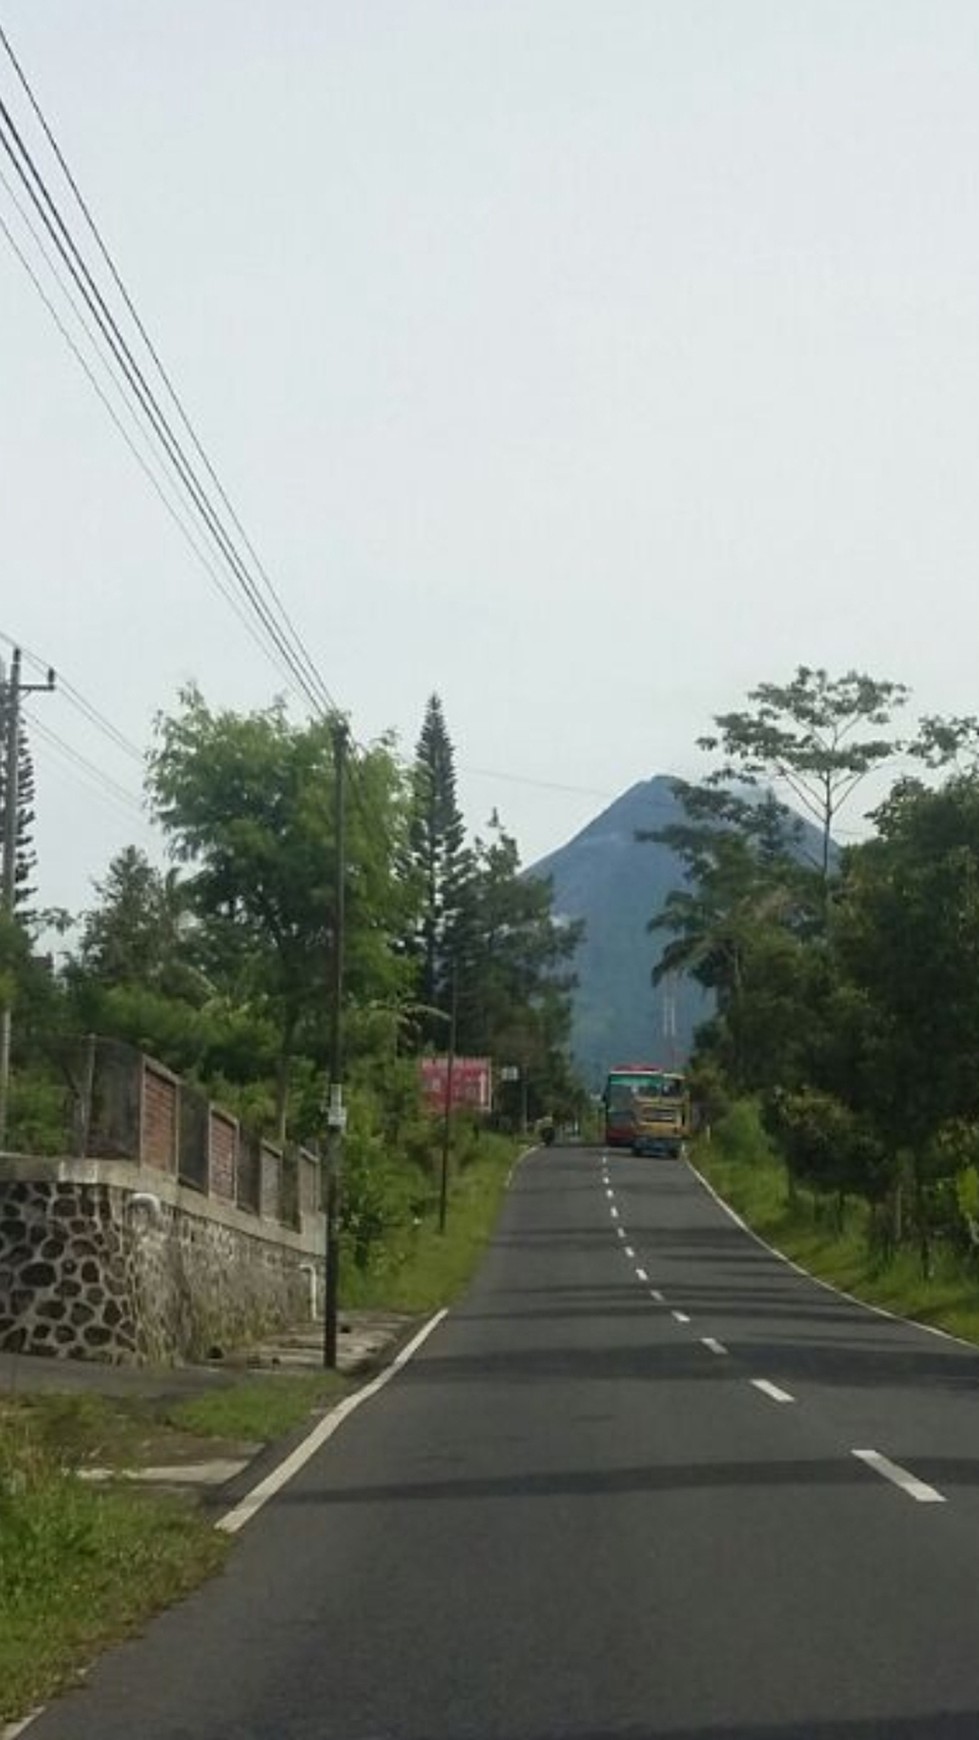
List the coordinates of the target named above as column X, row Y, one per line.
column 713, row 1344
column 621, row 1231
column 253, row 1501
column 909, row 1483
column 817, row 1281
column 654, row 1293
column 613, row 1211
column 628, row 1251
column 610, row 1193
column 769, row 1389
column 679, row 1317
column 641, row 1275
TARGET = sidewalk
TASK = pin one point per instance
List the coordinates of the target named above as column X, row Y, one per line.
column 197, row 1465
column 364, row 1338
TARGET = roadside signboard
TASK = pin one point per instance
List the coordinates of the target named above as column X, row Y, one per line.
column 472, row 1083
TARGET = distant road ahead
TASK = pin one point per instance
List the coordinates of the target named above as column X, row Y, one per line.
column 616, row 1496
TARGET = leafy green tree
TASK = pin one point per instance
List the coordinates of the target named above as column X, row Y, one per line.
column 141, row 932
column 801, row 735
column 247, row 802
column 515, row 968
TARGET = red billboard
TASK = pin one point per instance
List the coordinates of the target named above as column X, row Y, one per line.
column 472, row 1083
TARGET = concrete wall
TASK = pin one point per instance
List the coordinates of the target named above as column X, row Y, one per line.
column 119, row 1261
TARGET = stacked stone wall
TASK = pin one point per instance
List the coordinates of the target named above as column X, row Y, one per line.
column 107, row 1261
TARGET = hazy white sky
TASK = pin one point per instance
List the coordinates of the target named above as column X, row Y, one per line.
column 585, row 362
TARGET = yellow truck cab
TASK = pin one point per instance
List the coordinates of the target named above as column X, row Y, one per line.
column 662, row 1117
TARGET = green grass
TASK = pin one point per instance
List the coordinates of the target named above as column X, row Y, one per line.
column 744, row 1171
column 257, row 1409
column 419, row 1268
column 80, row 1568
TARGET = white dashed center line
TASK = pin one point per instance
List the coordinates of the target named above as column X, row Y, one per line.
column 654, row 1293
column 909, row 1483
column 628, row 1251
column 621, row 1231
column 715, row 1346
column 769, row 1389
column 613, row 1211
column 641, row 1275
column 610, row 1194
column 679, row 1317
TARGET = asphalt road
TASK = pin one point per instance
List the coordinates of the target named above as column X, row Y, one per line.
column 575, row 1515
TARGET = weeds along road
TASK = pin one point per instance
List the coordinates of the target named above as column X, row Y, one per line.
column 645, row 1480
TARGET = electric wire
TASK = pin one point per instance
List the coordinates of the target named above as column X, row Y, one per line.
column 41, row 729
column 40, row 197
column 161, row 369
column 201, row 555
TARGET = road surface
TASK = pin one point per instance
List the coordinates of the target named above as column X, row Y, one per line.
column 646, row 1482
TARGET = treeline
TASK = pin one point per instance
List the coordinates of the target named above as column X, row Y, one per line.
column 221, row 965
column 845, row 978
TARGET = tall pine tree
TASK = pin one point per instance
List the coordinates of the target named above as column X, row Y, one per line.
column 25, row 862
column 438, row 861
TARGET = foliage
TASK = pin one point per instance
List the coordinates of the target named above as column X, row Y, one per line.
column 800, row 734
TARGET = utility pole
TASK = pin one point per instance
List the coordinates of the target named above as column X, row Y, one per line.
column 336, row 1115
column 12, row 692
column 447, row 1121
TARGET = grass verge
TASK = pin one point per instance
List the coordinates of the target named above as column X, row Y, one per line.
column 80, row 1568
column 258, row 1409
column 418, row 1268
column 743, row 1169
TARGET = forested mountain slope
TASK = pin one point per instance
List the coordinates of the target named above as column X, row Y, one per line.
column 616, row 884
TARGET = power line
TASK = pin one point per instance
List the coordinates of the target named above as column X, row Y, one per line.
column 207, row 563
column 111, row 787
column 161, row 369
column 294, row 655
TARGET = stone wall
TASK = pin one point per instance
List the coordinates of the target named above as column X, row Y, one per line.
column 115, row 1261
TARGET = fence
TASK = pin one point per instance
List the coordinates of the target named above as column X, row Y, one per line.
column 123, row 1105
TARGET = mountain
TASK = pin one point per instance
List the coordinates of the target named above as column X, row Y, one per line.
column 605, row 876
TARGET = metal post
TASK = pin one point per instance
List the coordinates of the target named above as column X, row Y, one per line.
column 447, row 1120
column 336, row 1111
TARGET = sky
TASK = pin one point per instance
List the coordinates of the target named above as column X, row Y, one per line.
column 585, row 363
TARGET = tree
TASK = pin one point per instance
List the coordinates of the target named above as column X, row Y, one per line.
column 438, row 861
column 139, row 933
column 247, row 802
column 800, row 733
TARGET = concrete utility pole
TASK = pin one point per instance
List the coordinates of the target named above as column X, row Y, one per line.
column 336, row 1116
column 447, row 1120
column 12, row 692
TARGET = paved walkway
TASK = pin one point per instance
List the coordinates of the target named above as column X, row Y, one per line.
column 365, row 1338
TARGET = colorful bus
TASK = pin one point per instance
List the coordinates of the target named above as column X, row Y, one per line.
column 647, row 1109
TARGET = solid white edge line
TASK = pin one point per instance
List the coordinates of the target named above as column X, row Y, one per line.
column 772, row 1390
column 909, row 1483
column 536, row 1149
column 246, row 1508
column 12, row 1729
column 641, row 1275
column 711, row 1342
column 679, row 1317
column 807, row 1275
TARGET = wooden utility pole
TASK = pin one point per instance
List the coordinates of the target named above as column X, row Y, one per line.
column 336, row 1114
column 12, row 692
